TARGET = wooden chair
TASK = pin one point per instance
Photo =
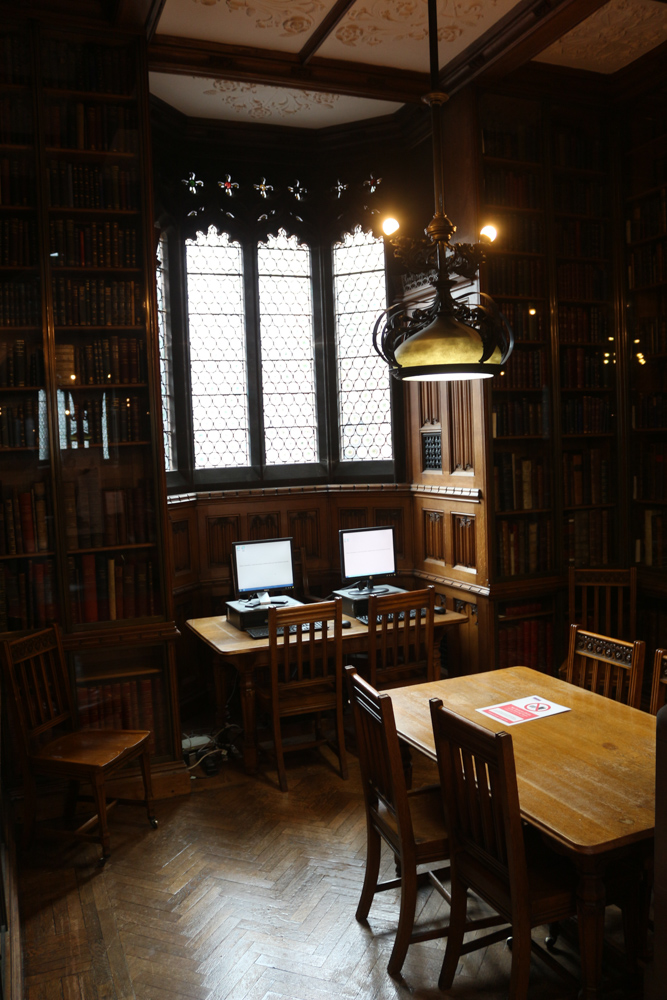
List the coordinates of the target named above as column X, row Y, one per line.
column 38, row 684
column 303, row 585
column 306, row 676
column 604, row 600
column 659, row 684
column 397, row 654
column 610, row 667
column 492, row 853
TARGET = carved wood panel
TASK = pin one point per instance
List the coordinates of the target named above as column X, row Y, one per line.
column 264, row 525
column 392, row 516
column 463, row 541
column 434, row 534
column 460, row 424
column 353, row 517
column 429, row 403
column 220, row 533
column 181, row 546
column 304, row 527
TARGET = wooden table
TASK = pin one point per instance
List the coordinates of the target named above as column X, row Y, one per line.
column 586, row 777
column 247, row 656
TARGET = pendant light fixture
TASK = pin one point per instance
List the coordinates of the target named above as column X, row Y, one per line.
column 449, row 340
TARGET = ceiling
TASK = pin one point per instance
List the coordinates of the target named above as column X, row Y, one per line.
column 319, row 63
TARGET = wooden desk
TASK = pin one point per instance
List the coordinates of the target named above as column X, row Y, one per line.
column 586, row 777
column 248, row 655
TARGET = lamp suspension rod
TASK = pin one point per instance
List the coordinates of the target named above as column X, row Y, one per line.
column 436, row 99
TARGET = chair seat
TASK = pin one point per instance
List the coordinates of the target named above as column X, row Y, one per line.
column 319, row 696
column 90, row 748
column 428, row 819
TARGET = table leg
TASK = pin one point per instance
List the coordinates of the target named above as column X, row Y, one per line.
column 249, row 722
column 590, row 915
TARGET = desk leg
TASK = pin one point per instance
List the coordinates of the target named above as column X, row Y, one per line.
column 590, row 915
column 249, row 723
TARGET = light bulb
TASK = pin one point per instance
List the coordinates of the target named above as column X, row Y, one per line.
column 490, row 232
column 390, row 225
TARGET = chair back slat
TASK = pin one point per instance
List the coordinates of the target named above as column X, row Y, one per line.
column 481, row 798
column 37, row 679
column 604, row 600
column 400, row 651
column 304, row 657
column 659, row 683
column 613, row 668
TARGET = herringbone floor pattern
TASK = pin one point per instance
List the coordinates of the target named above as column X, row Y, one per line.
column 242, row 893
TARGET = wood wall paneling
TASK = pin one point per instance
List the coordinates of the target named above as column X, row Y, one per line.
column 265, row 525
column 392, row 516
column 434, row 534
column 463, row 542
column 304, row 528
column 221, row 531
column 460, row 422
column 353, row 517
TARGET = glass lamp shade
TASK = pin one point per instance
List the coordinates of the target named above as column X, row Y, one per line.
column 446, row 350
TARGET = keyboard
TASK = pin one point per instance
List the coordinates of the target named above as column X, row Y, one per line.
column 390, row 617
column 262, row 631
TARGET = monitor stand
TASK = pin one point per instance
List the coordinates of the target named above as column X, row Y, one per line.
column 242, row 614
column 355, row 601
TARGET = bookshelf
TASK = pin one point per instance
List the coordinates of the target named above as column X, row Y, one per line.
column 82, row 519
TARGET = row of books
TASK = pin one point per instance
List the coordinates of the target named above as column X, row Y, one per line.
column 516, row 275
column 586, row 415
column 650, row 412
column 24, row 520
column 530, row 644
column 115, row 360
column 125, row 704
column 526, row 371
column 585, row 369
column 81, row 185
column 650, row 483
column 583, row 324
column 588, row 540
column 14, row 60
column 18, row 243
column 110, row 589
column 522, row 233
column 578, row 149
column 105, row 69
column 27, row 594
column 519, row 417
column 512, row 188
column 575, row 280
column 524, row 546
column 580, row 238
column 580, row 196
column 20, row 303
column 648, row 218
column 586, row 477
column 106, row 128
column 20, row 364
column 655, row 540
column 19, row 424
column 526, row 320
column 646, row 265
column 521, row 609
column 17, row 182
column 104, row 420
column 652, row 334
column 523, row 142
column 112, row 516
column 16, row 121
column 521, row 482
column 96, row 302
column 104, row 244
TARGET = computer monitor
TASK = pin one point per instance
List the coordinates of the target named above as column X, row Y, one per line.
column 262, row 565
column 366, row 553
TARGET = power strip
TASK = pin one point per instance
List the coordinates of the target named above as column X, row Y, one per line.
column 195, row 743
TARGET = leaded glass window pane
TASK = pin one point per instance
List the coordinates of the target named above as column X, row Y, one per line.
column 218, row 362
column 287, row 351
column 166, row 357
column 364, row 407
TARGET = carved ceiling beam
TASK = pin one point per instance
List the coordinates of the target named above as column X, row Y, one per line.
column 528, row 29
column 324, row 29
column 212, row 60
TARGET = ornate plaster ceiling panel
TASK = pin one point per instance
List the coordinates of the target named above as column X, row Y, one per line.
column 613, row 37
column 279, row 25
column 395, row 32
column 229, row 100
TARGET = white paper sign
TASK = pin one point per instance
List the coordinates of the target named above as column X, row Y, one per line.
column 511, row 713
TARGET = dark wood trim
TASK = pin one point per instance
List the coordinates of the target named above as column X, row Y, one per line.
column 141, row 15
column 213, row 60
column 324, row 29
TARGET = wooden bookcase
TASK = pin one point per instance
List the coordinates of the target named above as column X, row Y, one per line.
column 82, row 537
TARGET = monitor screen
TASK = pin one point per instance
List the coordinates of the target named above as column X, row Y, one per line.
column 367, row 552
column 263, row 565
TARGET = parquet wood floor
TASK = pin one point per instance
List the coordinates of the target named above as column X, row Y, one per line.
column 242, row 893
